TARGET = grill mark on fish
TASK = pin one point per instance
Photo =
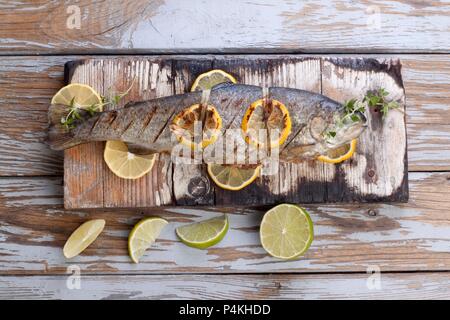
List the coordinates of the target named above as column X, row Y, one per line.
column 239, row 102
column 112, row 118
column 147, row 121
column 94, row 125
column 232, row 102
column 293, row 137
column 164, row 126
column 128, row 126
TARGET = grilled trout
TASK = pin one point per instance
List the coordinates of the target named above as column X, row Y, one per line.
column 304, row 119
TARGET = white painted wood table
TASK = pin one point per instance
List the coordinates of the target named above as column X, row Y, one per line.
column 408, row 242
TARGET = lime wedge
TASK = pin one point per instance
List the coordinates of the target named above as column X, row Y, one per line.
column 82, row 237
column 286, row 231
column 204, row 234
column 143, row 235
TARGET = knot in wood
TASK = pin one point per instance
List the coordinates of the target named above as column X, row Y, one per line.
column 198, row 187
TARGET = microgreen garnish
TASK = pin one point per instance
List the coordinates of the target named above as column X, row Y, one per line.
column 331, row 134
column 75, row 111
column 351, row 108
column 69, row 119
column 373, row 99
column 114, row 99
column 377, row 99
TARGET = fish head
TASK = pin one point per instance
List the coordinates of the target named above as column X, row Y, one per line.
column 344, row 129
column 336, row 128
column 327, row 128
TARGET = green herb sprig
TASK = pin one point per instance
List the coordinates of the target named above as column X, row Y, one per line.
column 373, row 99
column 74, row 114
column 75, row 111
column 351, row 107
column 377, row 99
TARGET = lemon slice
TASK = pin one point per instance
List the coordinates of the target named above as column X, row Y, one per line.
column 231, row 177
column 286, row 231
column 266, row 119
column 339, row 154
column 204, row 234
column 143, row 235
column 82, row 237
column 184, row 125
column 84, row 96
column 125, row 164
column 211, row 78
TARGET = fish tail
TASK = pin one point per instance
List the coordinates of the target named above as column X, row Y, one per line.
column 60, row 136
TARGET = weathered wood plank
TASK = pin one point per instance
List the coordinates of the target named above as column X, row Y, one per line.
column 427, row 80
column 88, row 181
column 390, row 286
column 26, row 87
column 413, row 236
column 83, row 185
column 188, row 191
column 378, row 172
column 28, row 83
column 428, row 147
column 216, row 26
column 291, row 72
column 379, row 167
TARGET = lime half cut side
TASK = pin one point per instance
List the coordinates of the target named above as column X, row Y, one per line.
column 286, row 231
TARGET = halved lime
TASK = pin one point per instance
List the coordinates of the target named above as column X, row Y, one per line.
column 82, row 237
column 143, row 235
column 204, row 234
column 286, row 231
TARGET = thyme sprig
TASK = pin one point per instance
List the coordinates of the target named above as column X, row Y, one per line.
column 351, row 107
column 373, row 99
column 75, row 111
column 377, row 99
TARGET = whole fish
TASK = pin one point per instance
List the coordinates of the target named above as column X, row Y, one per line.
column 148, row 124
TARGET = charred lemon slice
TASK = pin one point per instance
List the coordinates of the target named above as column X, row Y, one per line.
column 125, row 164
column 83, row 96
column 266, row 120
column 231, row 177
column 211, row 78
column 188, row 126
column 339, row 154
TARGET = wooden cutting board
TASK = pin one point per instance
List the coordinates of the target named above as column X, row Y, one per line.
column 377, row 172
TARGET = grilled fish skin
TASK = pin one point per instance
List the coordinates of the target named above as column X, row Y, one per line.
column 147, row 124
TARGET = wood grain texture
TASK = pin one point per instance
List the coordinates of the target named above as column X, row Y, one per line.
column 379, row 167
column 88, row 181
column 377, row 173
column 417, row 286
column 188, row 191
column 33, row 225
column 217, row 26
column 413, row 236
column 28, row 83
